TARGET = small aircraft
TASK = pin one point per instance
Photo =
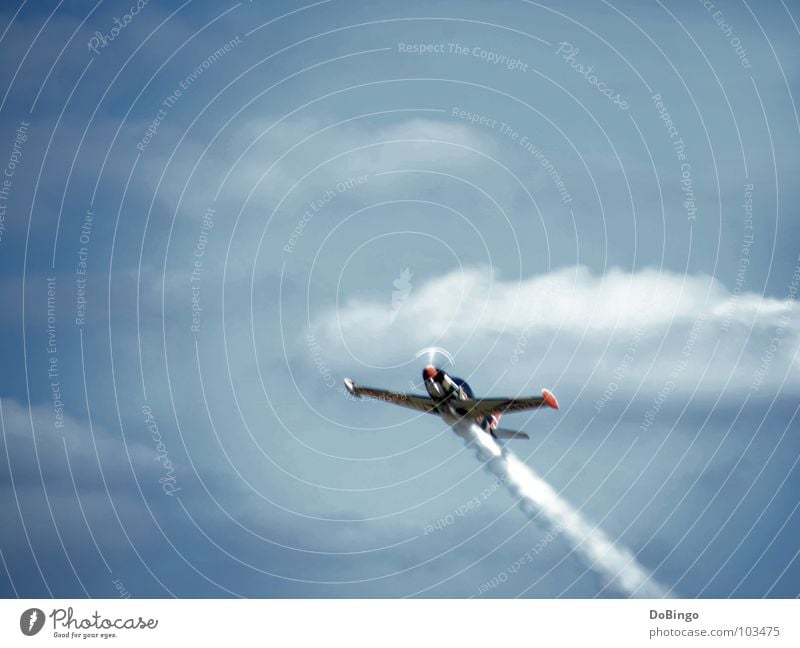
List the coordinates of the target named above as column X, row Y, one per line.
column 453, row 400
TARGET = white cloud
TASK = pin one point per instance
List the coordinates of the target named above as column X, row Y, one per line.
column 36, row 449
column 58, row 476
column 359, row 147
column 574, row 325
column 571, row 299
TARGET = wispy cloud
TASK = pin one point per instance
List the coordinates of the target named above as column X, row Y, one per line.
column 664, row 314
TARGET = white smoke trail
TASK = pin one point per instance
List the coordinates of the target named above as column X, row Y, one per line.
column 616, row 565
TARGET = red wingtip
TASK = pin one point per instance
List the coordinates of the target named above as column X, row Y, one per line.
column 549, row 398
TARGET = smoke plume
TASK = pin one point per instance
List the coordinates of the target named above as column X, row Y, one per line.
column 616, row 565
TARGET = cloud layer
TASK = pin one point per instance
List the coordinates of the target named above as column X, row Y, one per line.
column 647, row 324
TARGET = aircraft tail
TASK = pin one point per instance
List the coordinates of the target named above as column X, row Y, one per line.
column 502, row 433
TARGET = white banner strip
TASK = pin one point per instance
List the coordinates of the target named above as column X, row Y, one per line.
column 382, row 623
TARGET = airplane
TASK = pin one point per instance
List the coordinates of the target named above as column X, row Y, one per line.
column 452, row 399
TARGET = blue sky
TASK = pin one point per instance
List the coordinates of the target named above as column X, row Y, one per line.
column 597, row 198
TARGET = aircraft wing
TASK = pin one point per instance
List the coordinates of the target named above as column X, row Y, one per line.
column 487, row 406
column 412, row 401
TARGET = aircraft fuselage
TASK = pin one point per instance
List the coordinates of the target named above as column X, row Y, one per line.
column 447, row 391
